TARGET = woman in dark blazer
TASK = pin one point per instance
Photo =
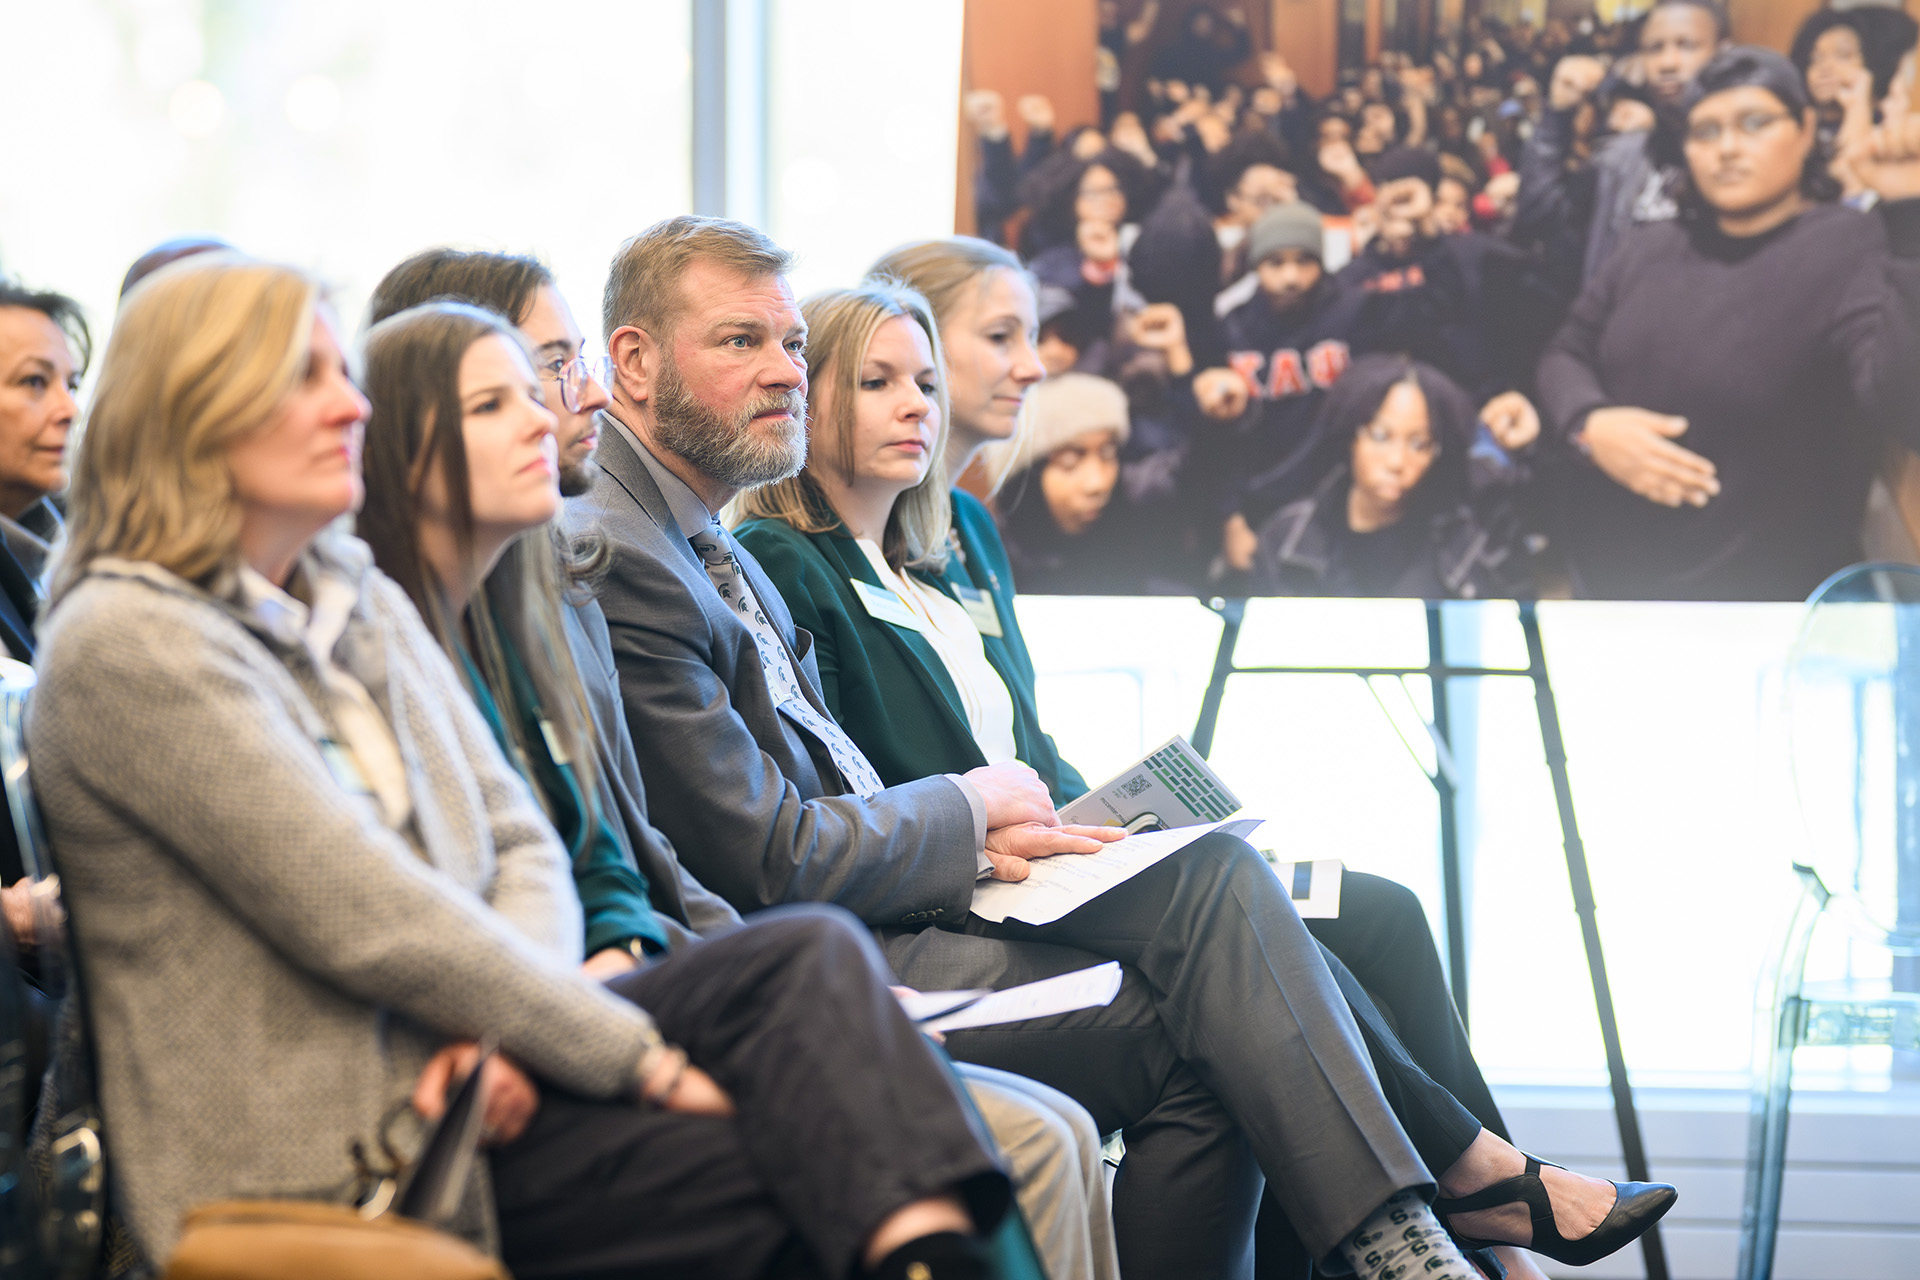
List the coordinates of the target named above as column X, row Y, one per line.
column 859, row 545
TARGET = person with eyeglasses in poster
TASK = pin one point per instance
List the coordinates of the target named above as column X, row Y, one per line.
column 1726, row 378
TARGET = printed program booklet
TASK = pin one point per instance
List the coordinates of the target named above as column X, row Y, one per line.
column 1172, row 783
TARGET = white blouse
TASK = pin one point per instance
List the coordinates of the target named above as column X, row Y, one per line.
column 956, row 640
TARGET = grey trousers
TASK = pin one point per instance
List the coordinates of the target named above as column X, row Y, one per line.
column 1230, row 1052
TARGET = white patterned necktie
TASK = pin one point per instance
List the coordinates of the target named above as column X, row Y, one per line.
column 716, row 552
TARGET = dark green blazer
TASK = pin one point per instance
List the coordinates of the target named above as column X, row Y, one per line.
column 884, row 683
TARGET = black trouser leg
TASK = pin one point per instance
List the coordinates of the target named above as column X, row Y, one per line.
column 1381, row 934
column 844, row 1114
column 1435, row 1122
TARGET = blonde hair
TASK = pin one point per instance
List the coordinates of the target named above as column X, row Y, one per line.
column 943, row 270
column 840, row 327
column 203, row 352
column 644, row 286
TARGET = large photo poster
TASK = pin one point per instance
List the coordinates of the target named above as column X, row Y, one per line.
column 1450, row 300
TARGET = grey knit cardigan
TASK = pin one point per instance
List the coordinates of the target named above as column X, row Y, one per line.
column 268, row 965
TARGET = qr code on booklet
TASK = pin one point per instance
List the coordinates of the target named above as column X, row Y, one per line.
column 1135, row 785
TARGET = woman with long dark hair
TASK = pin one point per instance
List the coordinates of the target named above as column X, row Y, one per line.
column 1397, row 516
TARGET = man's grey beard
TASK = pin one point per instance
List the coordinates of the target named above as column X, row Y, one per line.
column 725, row 448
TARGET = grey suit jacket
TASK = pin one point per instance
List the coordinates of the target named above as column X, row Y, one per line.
column 752, row 801
column 676, row 895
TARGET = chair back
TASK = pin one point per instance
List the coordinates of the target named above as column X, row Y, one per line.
column 1851, row 692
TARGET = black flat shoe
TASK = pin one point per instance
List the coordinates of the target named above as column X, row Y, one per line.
column 1636, row 1206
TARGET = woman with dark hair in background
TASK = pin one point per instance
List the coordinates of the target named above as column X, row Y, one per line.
column 44, row 350
column 1727, row 378
column 1397, row 516
column 1837, row 48
column 1066, row 190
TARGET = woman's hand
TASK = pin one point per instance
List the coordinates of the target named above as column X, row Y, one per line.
column 695, row 1093
column 1010, row 848
column 1635, row 448
column 508, row 1098
column 610, row 962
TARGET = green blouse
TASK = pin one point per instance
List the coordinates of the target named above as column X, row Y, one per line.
column 613, row 892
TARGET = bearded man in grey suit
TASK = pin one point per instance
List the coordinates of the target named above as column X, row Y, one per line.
column 1048, row 1142
column 1229, row 1052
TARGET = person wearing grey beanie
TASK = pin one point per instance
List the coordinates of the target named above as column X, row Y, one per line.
column 1295, row 225
column 1286, row 345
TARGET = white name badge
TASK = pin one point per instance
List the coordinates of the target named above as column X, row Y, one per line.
column 886, row 606
column 979, row 607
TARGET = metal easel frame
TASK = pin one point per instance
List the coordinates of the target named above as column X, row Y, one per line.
column 1444, row 777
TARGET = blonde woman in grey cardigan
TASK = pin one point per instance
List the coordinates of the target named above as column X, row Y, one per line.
column 302, row 878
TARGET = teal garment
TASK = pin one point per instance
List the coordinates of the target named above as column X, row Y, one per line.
column 982, row 564
column 884, row 683
column 613, row 893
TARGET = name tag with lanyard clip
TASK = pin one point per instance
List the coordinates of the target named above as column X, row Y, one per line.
column 980, row 609
column 886, row 606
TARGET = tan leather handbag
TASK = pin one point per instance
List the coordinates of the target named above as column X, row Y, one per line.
column 311, row 1240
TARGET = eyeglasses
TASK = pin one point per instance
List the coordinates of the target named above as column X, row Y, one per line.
column 1751, row 125
column 574, row 375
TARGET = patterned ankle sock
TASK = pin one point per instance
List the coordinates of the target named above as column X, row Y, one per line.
column 1404, row 1241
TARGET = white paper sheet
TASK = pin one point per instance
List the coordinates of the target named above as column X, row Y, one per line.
column 1058, row 884
column 922, row 1005
column 1081, row 989
column 1313, row 886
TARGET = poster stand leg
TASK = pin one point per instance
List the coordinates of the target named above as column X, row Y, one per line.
column 1440, row 672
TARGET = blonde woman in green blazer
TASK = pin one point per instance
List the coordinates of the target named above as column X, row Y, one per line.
column 863, row 549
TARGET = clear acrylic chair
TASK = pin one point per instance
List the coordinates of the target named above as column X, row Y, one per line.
column 1851, row 720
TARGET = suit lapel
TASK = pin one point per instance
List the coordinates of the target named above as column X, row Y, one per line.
column 620, row 464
